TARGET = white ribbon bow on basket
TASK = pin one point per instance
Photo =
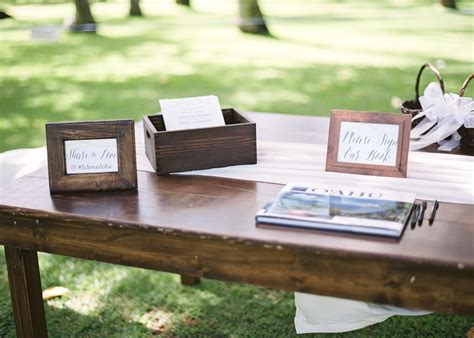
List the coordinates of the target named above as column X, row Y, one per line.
column 444, row 115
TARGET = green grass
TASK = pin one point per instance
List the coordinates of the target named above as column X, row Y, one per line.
column 357, row 55
column 323, row 55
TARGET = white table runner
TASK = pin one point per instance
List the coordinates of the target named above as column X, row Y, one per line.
column 445, row 177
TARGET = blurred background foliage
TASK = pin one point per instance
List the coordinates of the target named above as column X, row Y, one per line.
column 360, row 55
column 318, row 55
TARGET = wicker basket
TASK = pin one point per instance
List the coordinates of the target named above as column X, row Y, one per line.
column 413, row 107
column 467, row 134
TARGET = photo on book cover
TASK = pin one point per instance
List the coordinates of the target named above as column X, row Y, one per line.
column 382, row 213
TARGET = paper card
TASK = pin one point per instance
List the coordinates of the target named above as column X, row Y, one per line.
column 91, row 156
column 192, row 112
column 368, row 143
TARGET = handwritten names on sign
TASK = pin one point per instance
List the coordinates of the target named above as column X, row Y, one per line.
column 368, row 143
column 91, row 156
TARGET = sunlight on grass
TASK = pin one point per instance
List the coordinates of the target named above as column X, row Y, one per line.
column 84, row 303
column 361, row 55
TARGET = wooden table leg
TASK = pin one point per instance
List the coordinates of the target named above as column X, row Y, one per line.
column 25, row 289
column 189, row 280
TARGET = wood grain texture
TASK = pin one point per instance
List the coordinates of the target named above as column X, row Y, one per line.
column 122, row 130
column 203, row 148
column 398, row 170
column 26, row 292
column 188, row 203
column 204, row 227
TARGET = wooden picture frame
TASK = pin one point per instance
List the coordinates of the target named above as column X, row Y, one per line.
column 395, row 167
column 61, row 135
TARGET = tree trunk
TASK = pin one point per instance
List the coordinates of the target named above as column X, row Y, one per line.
column 4, row 15
column 135, row 8
column 184, row 2
column 251, row 18
column 449, row 3
column 83, row 12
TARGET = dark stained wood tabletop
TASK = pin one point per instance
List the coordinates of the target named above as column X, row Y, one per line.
column 225, row 208
column 204, row 226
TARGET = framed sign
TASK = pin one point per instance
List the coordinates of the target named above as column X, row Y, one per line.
column 91, row 156
column 368, row 143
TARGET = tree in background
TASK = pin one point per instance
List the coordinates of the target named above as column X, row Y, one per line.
column 251, row 18
column 184, row 2
column 83, row 13
column 135, row 8
column 448, row 3
column 3, row 13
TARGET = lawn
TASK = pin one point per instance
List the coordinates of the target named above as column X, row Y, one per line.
column 321, row 55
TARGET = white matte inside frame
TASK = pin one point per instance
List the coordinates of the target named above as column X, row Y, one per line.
column 368, row 143
column 91, row 156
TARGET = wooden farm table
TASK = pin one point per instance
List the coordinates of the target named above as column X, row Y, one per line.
column 204, row 227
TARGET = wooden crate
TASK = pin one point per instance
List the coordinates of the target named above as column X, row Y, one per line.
column 201, row 148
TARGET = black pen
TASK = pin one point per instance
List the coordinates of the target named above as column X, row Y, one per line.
column 433, row 212
column 414, row 215
column 421, row 216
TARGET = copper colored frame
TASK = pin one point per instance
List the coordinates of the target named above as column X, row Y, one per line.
column 400, row 167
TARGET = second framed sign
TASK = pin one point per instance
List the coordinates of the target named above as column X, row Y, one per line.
column 91, row 156
column 368, row 143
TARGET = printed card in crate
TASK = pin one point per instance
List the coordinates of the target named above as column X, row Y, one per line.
column 171, row 151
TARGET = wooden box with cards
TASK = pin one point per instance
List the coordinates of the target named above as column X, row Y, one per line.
column 201, row 148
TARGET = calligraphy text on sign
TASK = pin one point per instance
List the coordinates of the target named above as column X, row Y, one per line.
column 91, row 156
column 368, row 143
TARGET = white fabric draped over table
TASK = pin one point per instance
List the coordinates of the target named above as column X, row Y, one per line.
column 445, row 177
column 20, row 162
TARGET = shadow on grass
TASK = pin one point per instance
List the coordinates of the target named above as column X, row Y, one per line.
column 64, row 322
column 67, row 94
column 223, row 309
column 209, row 308
column 123, row 73
column 307, row 91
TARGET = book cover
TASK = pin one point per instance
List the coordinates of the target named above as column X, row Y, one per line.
column 383, row 213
